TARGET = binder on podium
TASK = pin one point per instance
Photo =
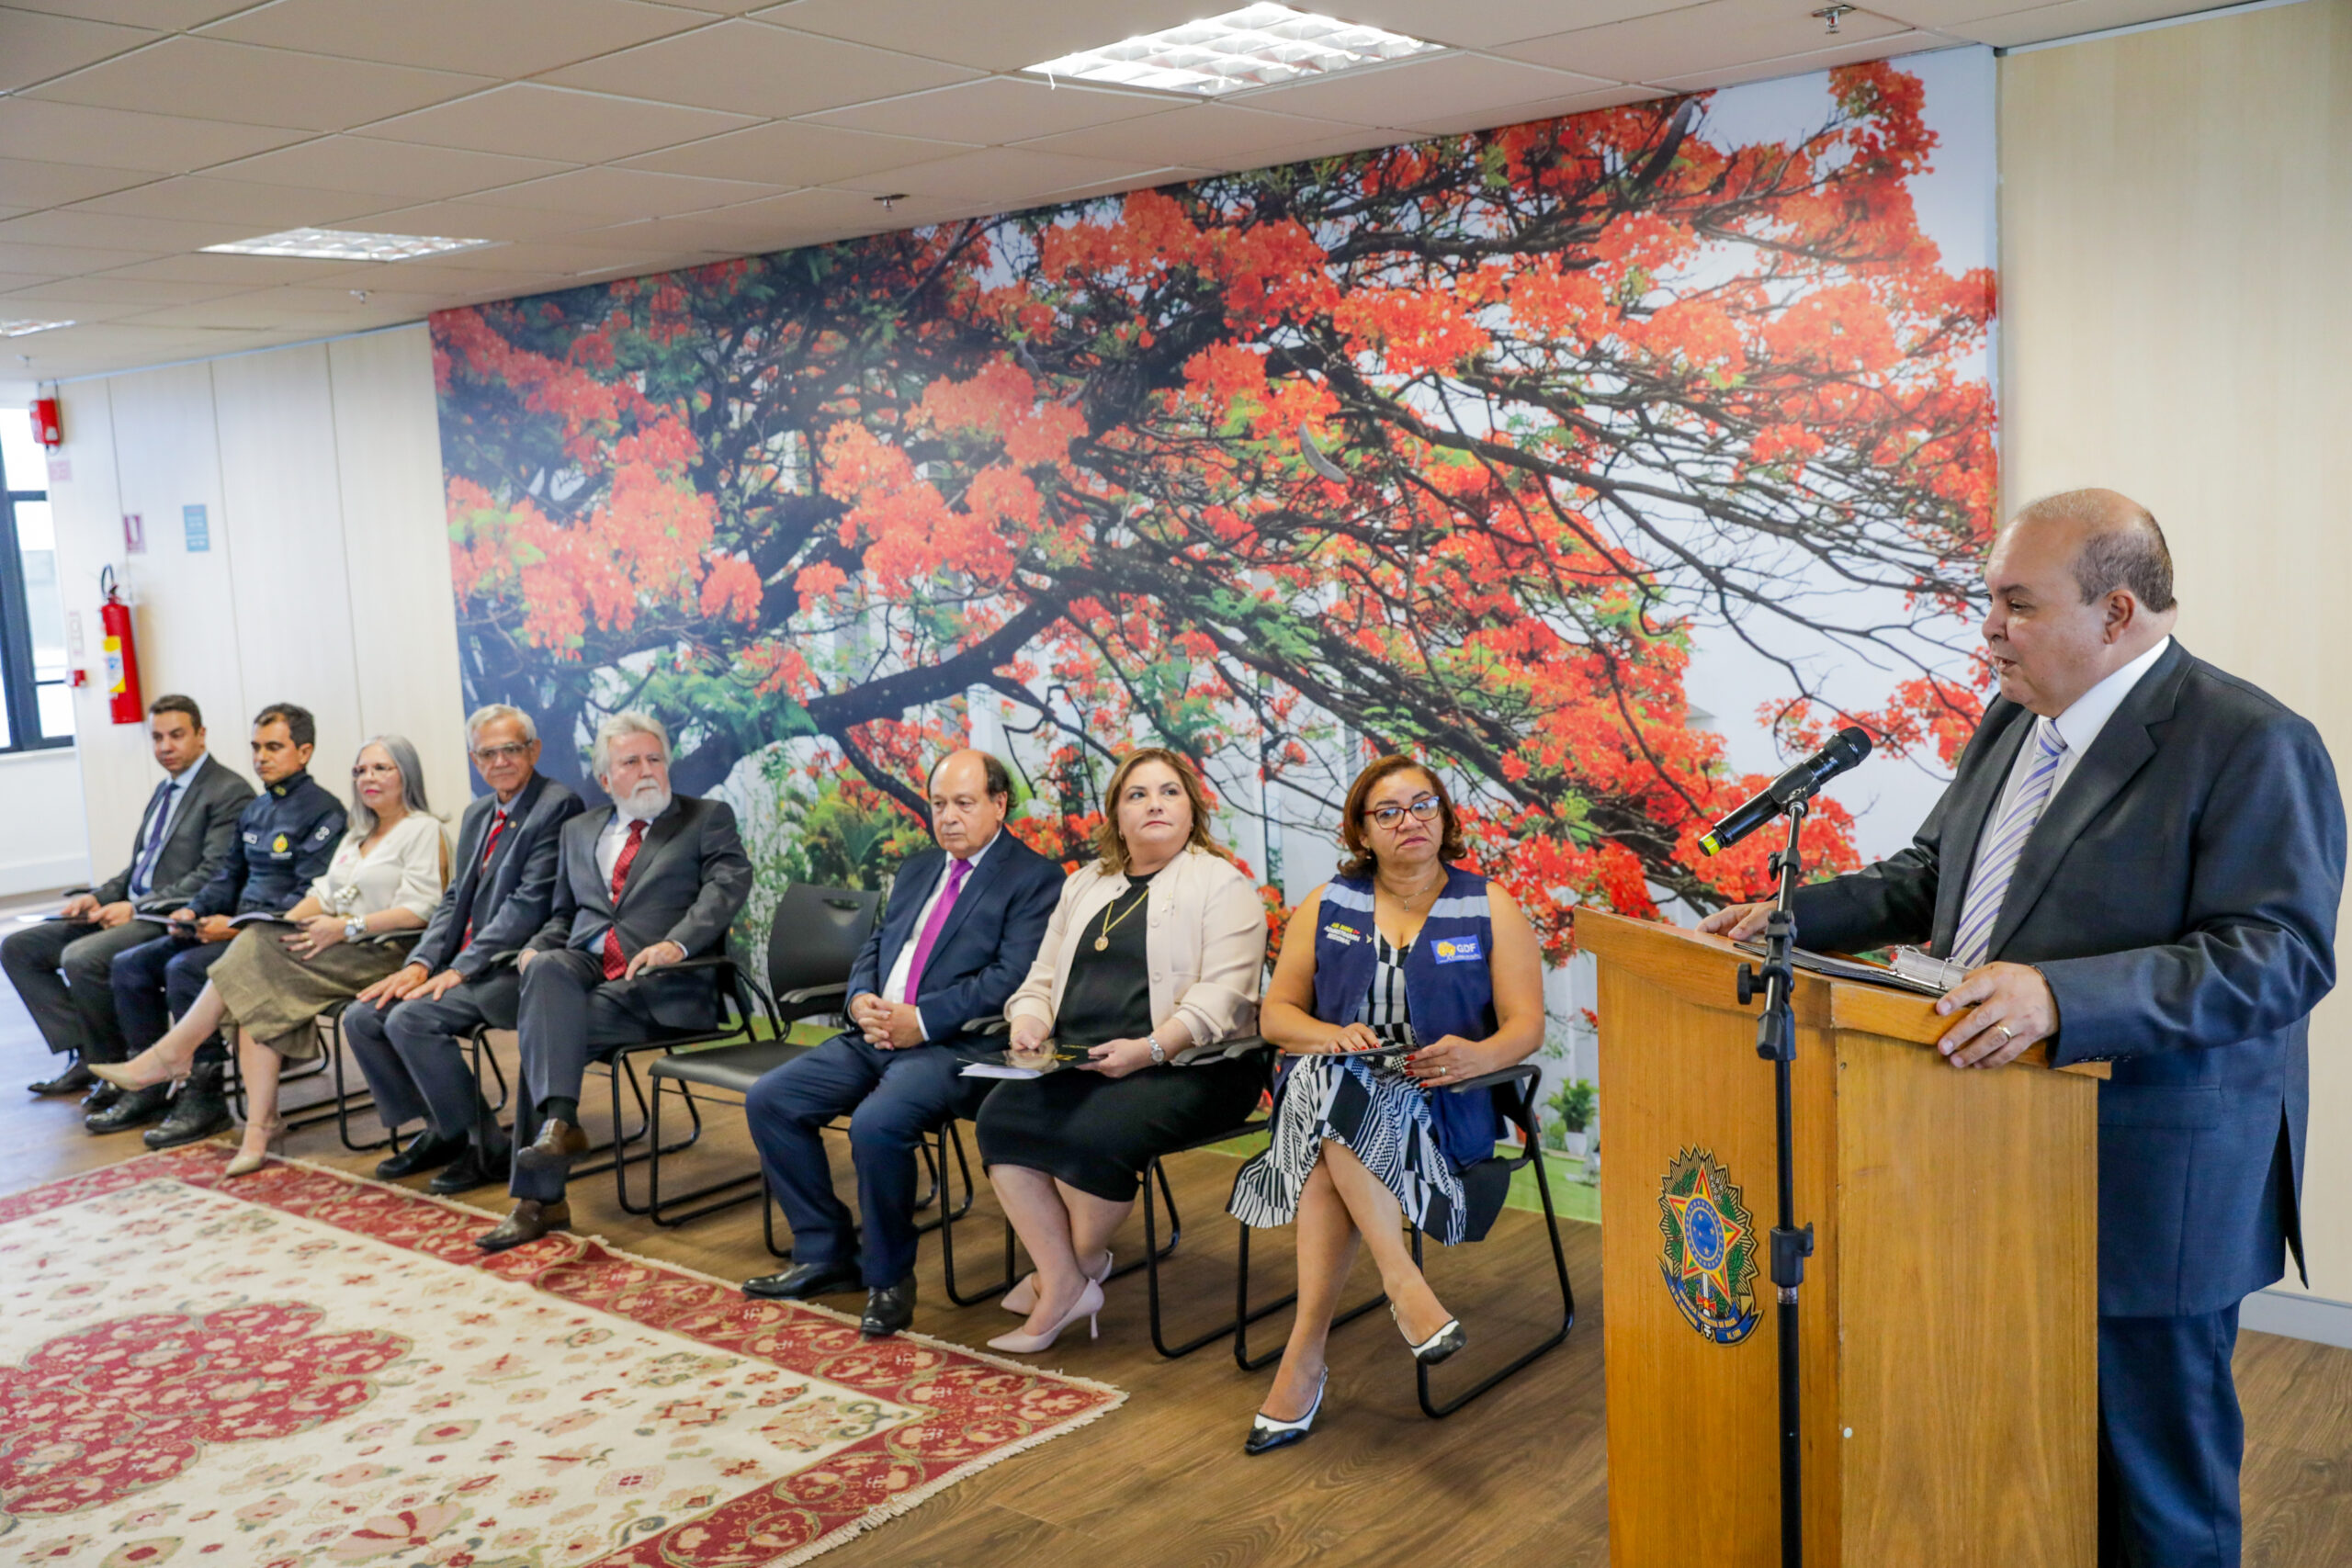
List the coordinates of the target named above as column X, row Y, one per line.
column 1948, row 1346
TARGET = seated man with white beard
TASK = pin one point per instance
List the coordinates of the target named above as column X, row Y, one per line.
column 646, row 882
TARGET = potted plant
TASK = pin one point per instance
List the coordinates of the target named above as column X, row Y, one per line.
column 1576, row 1103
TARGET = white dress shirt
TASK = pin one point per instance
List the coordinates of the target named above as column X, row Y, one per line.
column 160, row 830
column 2079, row 725
column 895, row 988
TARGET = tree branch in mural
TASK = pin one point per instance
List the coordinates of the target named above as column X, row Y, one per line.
column 1446, row 447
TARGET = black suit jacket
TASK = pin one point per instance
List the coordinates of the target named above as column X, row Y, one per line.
column 506, row 906
column 686, row 886
column 986, row 945
column 2179, row 894
column 203, row 833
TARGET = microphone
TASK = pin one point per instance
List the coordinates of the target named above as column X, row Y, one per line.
column 1848, row 746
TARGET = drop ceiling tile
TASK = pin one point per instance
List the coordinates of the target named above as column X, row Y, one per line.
column 1483, row 24
column 73, row 133
column 997, row 109
column 1410, row 92
column 795, row 152
column 1882, row 47
column 2044, row 23
column 405, row 169
column 990, row 37
column 26, row 182
column 470, row 221
column 1718, row 35
column 241, row 311
column 1140, row 179
column 1942, row 13
column 244, row 272
column 1207, row 134
column 206, row 79
column 130, row 292
column 626, row 193
column 750, row 68
column 40, row 46
column 508, row 41
column 781, row 224
column 1553, row 108
column 564, row 256
column 264, row 209
column 532, row 120
column 1002, row 178
column 65, row 260
column 109, row 231
column 171, row 15
column 1338, row 140
column 12, row 280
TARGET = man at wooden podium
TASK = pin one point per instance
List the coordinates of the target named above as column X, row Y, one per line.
column 2145, row 858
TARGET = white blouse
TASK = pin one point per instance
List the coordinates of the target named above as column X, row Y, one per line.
column 404, row 871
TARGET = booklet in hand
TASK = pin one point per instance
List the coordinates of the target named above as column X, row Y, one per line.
column 1048, row 1057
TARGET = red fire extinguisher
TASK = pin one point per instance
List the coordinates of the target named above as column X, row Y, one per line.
column 122, row 657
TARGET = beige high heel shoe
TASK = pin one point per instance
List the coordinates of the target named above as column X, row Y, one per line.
column 1089, row 1304
column 143, row 1071
column 1022, row 1300
column 272, row 1140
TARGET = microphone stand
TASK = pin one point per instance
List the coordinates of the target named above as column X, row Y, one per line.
column 1776, row 1042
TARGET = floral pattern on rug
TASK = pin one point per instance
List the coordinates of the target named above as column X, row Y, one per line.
column 302, row 1369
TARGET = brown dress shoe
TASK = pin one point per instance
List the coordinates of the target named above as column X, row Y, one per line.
column 551, row 1153
column 530, row 1221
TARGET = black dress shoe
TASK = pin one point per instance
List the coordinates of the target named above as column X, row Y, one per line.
column 73, row 1080
column 199, row 1110
column 530, row 1221
column 424, row 1151
column 805, row 1280
column 889, row 1309
column 98, row 1098
column 136, row 1107
column 473, row 1169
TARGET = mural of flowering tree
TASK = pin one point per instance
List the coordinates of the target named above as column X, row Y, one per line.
column 1445, row 448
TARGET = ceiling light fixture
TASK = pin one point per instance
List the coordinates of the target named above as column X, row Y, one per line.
column 1833, row 15
column 347, row 245
column 1254, row 47
column 26, row 328
column 891, row 200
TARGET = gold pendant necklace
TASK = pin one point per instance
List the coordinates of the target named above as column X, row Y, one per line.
column 1103, row 941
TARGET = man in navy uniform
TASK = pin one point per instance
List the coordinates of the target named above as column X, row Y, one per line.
column 403, row 1030
column 2138, row 859
column 285, row 839
column 64, row 968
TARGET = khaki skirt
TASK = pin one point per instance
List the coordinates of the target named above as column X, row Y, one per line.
column 276, row 997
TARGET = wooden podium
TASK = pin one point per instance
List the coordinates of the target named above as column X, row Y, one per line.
column 1949, row 1336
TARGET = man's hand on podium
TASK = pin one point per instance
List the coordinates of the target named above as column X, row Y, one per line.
column 1741, row 922
column 2013, row 1010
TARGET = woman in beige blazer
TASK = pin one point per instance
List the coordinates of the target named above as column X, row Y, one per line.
column 1153, row 961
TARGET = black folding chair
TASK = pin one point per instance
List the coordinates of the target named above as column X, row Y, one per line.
column 1487, row 1184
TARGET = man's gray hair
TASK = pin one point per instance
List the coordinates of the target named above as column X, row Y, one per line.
column 402, row 752
column 600, row 756
column 2122, row 547
column 491, row 713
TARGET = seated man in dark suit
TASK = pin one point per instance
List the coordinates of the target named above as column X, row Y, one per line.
column 286, row 836
column 64, row 968
column 965, row 924
column 2138, row 859
column 651, row 880
column 403, row 1030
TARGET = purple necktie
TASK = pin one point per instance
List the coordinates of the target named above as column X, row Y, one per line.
column 930, row 928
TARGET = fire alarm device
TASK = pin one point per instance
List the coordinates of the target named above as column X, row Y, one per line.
column 49, row 428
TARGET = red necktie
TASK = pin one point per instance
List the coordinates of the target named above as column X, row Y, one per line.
column 497, row 825
column 615, row 965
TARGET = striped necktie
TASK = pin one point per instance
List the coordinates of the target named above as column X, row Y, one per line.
column 2003, row 845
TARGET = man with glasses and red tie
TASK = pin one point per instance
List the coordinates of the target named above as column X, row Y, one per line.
column 62, row 968
column 646, row 882
column 404, row 1030
column 964, row 923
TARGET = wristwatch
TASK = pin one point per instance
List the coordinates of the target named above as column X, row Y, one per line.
column 354, row 929
column 1158, row 1052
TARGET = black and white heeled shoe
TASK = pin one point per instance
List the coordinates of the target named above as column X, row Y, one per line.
column 1438, row 1345
column 1266, row 1434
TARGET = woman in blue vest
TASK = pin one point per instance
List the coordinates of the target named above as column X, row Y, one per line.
column 1400, row 949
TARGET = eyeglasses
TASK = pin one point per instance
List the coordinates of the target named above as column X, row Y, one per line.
column 491, row 756
column 1387, row 817
column 375, row 770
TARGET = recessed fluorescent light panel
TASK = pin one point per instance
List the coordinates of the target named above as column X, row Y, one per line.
column 347, row 245
column 26, row 328
column 1254, row 47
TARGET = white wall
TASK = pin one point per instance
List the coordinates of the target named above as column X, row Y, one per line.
column 327, row 581
column 41, row 840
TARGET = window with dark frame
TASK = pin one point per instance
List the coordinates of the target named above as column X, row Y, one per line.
column 36, row 700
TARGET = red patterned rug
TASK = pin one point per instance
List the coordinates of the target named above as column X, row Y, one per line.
column 302, row 1368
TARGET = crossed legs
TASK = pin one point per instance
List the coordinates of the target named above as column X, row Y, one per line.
column 1065, row 1230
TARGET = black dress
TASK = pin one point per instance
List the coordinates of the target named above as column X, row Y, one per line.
column 1098, row 1133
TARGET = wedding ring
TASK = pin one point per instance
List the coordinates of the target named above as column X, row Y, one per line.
column 2005, row 1034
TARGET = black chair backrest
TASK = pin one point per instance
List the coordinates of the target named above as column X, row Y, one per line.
column 815, row 936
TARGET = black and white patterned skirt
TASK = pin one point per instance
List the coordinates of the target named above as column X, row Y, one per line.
column 1383, row 1118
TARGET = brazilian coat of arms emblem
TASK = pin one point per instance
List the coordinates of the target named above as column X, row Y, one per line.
column 1709, row 1259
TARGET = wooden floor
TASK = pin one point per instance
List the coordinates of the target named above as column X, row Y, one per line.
column 1519, row 1476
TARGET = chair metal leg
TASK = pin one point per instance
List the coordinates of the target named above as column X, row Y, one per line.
column 1242, row 1313
column 934, row 1157
column 1153, row 1252
column 1247, row 1315
column 767, row 1220
column 343, row 1105
column 946, row 1224
column 670, row 1215
column 619, row 1147
column 1438, row 1412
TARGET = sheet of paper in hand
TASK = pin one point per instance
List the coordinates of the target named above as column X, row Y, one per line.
column 1049, row 1056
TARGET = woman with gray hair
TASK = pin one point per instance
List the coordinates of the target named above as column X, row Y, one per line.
column 354, row 928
